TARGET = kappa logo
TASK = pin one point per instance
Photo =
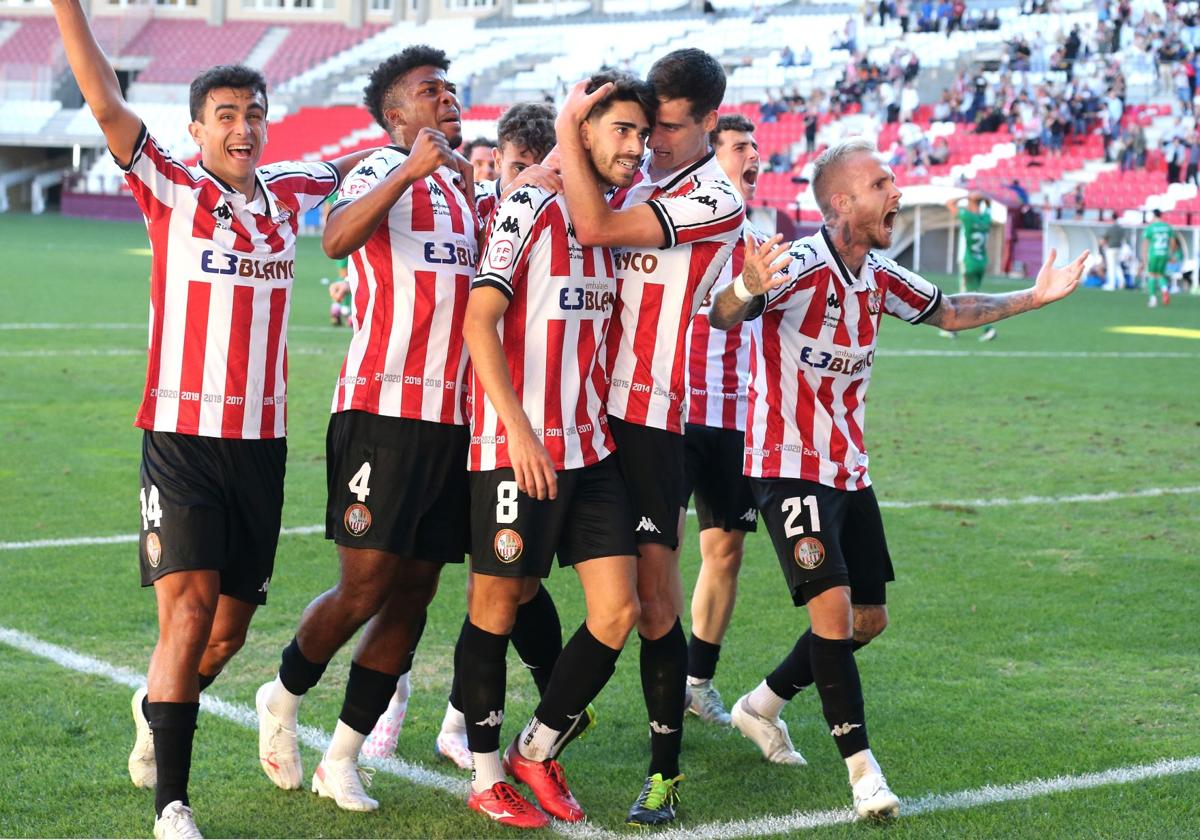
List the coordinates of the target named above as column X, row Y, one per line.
column 222, row 215
column 521, row 197
column 661, row 728
column 844, row 729
column 751, row 515
column 648, row 526
column 153, row 550
column 571, row 230
column 833, row 301
column 494, row 718
column 434, row 189
column 368, row 171
column 707, row 200
column 509, row 225
column 266, row 583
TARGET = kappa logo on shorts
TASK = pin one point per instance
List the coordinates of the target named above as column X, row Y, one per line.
column 648, row 526
column 153, row 550
column 357, row 519
column 508, row 546
column 751, row 515
column 809, row 552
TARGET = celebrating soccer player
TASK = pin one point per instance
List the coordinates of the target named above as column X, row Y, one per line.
column 542, row 481
column 676, row 227
column 213, row 411
column 821, row 307
column 397, row 440
column 718, row 373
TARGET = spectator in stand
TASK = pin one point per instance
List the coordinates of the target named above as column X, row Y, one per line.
column 885, row 8
column 1079, row 201
column 787, row 58
column 957, row 9
column 939, row 152
column 806, row 57
column 1193, row 159
column 812, row 117
column 902, row 12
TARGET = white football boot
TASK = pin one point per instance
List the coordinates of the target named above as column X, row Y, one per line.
column 176, row 823
column 770, row 735
column 873, row 799
column 704, row 701
column 142, row 768
column 278, row 752
column 343, row 781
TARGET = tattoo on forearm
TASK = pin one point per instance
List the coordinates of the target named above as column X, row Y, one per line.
column 964, row 311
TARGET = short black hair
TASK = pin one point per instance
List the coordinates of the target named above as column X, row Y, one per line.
column 1157, row 213
column 486, row 142
column 689, row 74
column 730, row 122
column 626, row 88
column 224, row 76
column 529, row 125
column 385, row 75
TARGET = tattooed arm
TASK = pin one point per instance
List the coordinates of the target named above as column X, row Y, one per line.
column 962, row 312
column 762, row 271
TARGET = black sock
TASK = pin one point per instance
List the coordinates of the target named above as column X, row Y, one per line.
column 584, row 667
column 702, row 658
column 406, row 666
column 838, row 684
column 206, row 680
column 795, row 672
column 456, row 680
column 537, row 637
column 174, row 726
column 481, row 661
column 664, row 675
column 368, row 693
column 296, row 672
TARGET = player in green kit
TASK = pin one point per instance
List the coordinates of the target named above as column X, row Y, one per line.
column 1157, row 241
column 976, row 221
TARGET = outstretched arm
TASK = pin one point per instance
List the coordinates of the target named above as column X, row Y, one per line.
column 97, row 81
column 760, row 273
column 962, row 312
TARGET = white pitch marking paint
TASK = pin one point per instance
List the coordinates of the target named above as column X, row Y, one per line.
column 796, row 821
column 1081, row 498
column 128, row 351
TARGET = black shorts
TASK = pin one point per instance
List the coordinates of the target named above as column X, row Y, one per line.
column 211, row 504
column 651, row 462
column 826, row 538
column 515, row 535
column 713, row 465
column 397, row 485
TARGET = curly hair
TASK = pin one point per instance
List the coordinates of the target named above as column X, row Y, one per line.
column 529, row 125
column 626, row 88
column 224, row 76
column 377, row 95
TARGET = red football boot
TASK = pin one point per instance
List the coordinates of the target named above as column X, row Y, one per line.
column 547, row 781
column 503, row 804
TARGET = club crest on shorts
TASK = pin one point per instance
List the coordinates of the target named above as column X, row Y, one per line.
column 357, row 519
column 874, row 301
column 153, row 550
column 508, row 546
column 809, row 553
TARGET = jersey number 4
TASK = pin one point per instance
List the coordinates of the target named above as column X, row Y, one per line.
column 793, row 507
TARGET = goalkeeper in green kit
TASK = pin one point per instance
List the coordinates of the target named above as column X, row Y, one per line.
column 976, row 221
column 1158, row 240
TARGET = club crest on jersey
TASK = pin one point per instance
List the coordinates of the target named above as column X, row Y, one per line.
column 508, row 546
column 874, row 301
column 357, row 519
column 500, row 254
column 809, row 553
column 153, row 550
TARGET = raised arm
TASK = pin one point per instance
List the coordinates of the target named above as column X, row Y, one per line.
column 760, row 274
column 962, row 312
column 532, row 466
column 97, row 81
column 350, row 226
column 597, row 224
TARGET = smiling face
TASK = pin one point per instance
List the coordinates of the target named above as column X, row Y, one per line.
column 616, row 141
column 867, row 198
column 422, row 98
column 678, row 138
column 231, row 134
column 737, row 153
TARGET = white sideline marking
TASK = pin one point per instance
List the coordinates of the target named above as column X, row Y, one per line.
column 128, row 351
column 795, row 821
column 1080, row 498
column 48, row 325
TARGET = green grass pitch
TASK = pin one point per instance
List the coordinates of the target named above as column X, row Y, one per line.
column 1027, row 641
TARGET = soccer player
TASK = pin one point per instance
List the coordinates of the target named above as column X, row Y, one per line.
column 397, row 439
column 213, row 450
column 483, row 162
column 821, row 308
column 717, row 375
column 1157, row 243
column 976, row 221
column 526, row 135
column 542, row 479
column 675, row 227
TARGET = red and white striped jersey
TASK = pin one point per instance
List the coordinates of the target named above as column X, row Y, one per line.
column 408, row 290
column 560, row 298
column 659, row 290
column 220, row 292
column 718, row 372
column 487, row 199
column 811, row 362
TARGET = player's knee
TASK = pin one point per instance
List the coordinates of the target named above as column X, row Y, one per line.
column 223, row 649
column 869, row 623
column 359, row 603
column 614, row 623
column 190, row 618
column 656, row 616
column 726, row 562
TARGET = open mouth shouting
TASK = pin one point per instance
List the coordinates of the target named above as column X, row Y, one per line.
column 889, row 219
column 750, row 176
column 240, row 151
